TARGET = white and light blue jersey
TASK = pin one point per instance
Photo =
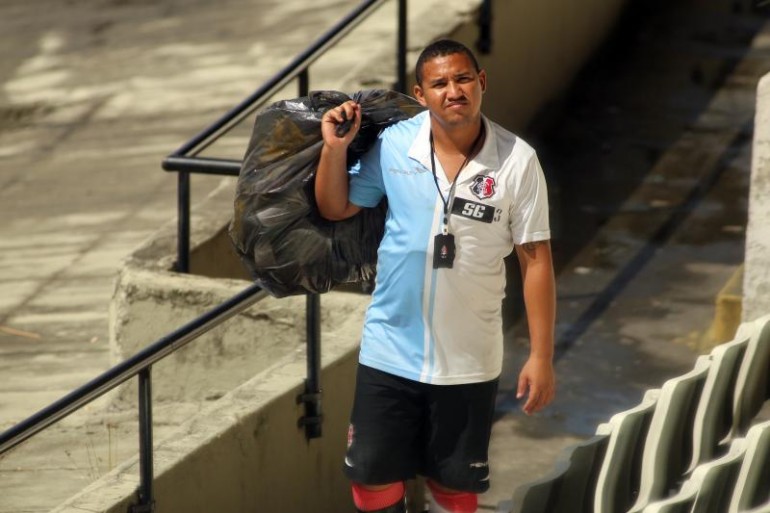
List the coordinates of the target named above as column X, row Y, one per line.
column 444, row 326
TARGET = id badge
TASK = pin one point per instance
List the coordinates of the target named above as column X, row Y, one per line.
column 443, row 250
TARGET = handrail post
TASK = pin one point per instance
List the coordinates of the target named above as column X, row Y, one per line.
column 183, row 223
column 304, row 82
column 313, row 418
column 484, row 42
column 401, row 48
column 146, row 500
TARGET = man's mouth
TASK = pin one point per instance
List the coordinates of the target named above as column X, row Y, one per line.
column 451, row 105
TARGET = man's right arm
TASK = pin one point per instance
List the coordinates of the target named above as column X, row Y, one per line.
column 331, row 181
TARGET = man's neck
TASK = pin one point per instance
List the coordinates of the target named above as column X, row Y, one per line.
column 457, row 140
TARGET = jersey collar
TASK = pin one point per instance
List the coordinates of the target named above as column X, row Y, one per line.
column 485, row 160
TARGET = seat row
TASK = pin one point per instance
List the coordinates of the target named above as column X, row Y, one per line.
column 694, row 445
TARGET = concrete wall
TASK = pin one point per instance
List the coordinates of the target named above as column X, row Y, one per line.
column 245, row 453
column 538, row 48
column 756, row 283
column 150, row 301
column 148, row 305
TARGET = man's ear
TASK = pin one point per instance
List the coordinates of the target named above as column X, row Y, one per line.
column 483, row 80
column 418, row 94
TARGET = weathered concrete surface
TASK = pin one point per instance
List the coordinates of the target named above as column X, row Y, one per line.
column 244, row 453
column 756, row 284
column 150, row 301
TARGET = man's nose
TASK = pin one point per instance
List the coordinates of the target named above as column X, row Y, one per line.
column 454, row 90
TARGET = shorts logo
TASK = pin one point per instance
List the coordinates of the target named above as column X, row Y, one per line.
column 483, row 186
column 351, row 433
column 479, row 464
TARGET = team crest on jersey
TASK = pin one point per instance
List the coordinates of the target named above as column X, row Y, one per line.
column 483, row 186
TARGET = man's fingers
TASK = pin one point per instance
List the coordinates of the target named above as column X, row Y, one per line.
column 522, row 388
column 538, row 399
column 343, row 127
column 344, row 117
column 534, row 401
column 529, row 404
column 345, row 111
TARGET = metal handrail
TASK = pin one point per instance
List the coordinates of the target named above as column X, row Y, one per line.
column 140, row 364
column 185, row 159
column 128, row 368
column 273, row 85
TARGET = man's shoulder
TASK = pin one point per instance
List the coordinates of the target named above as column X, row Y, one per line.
column 510, row 145
column 404, row 130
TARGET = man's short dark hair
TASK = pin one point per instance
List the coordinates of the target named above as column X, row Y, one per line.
column 442, row 48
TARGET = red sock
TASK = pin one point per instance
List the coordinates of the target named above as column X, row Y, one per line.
column 452, row 502
column 373, row 500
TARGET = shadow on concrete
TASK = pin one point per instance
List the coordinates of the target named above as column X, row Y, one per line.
column 652, row 83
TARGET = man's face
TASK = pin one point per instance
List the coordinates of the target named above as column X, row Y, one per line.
column 451, row 89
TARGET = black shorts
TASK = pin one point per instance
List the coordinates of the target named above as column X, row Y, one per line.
column 400, row 428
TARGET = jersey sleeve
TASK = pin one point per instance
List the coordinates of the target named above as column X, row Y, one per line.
column 366, row 187
column 529, row 210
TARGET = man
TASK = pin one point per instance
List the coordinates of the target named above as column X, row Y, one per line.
column 462, row 192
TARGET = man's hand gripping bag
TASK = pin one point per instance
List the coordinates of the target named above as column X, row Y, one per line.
column 276, row 229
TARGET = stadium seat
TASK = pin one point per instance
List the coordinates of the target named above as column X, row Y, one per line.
column 752, row 488
column 570, row 487
column 709, row 487
column 713, row 418
column 618, row 481
column 752, row 387
column 668, row 445
column 688, row 447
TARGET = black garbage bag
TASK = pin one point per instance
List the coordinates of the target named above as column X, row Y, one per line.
column 277, row 230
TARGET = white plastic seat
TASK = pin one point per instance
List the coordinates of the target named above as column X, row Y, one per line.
column 752, row 387
column 709, row 488
column 713, row 418
column 752, row 487
column 618, row 480
column 569, row 487
column 668, row 444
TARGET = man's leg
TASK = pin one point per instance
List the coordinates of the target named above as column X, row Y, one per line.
column 457, row 439
column 383, row 438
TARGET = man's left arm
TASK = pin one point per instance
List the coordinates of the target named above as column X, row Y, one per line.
column 537, row 378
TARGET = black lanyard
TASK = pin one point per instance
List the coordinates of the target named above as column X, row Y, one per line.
column 449, row 201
